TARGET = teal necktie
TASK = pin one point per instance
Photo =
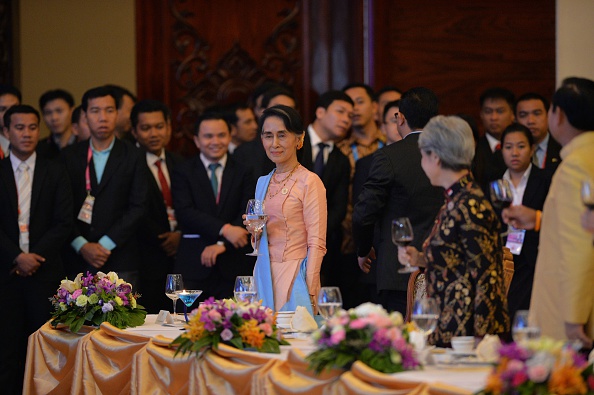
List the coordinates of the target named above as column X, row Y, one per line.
column 214, row 182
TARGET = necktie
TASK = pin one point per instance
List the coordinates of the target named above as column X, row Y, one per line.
column 319, row 163
column 535, row 160
column 24, row 193
column 498, row 147
column 165, row 190
column 214, row 182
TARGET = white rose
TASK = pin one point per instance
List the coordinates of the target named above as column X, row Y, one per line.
column 82, row 300
column 366, row 309
column 396, row 318
column 113, row 277
column 100, row 275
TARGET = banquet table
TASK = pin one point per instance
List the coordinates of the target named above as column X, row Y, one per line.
column 139, row 360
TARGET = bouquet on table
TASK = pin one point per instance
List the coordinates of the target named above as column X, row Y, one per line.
column 541, row 366
column 238, row 324
column 93, row 299
column 366, row 333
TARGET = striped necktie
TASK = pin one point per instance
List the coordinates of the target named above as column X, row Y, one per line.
column 214, row 181
column 24, row 193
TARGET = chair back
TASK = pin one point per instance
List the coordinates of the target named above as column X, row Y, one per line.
column 508, row 268
column 417, row 288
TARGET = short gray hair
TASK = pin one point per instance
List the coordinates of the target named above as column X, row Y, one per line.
column 450, row 137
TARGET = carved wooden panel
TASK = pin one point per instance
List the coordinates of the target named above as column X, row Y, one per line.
column 460, row 48
column 7, row 44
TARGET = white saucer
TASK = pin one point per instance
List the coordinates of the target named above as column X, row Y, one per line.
column 461, row 353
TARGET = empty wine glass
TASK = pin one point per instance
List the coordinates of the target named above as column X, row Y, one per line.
column 173, row 283
column 245, row 289
column 256, row 220
column 588, row 193
column 425, row 314
column 188, row 296
column 329, row 301
column 402, row 236
column 523, row 329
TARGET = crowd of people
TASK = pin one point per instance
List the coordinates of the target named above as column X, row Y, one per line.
column 103, row 192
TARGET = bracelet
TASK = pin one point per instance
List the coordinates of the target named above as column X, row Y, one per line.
column 537, row 220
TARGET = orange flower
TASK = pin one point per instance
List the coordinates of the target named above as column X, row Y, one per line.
column 494, row 384
column 251, row 334
column 195, row 329
column 567, row 380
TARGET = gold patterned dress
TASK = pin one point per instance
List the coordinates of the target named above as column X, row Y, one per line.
column 465, row 266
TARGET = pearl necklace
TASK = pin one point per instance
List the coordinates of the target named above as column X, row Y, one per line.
column 282, row 189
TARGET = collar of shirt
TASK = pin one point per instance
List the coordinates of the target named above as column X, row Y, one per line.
column 452, row 191
column 413, row 132
column 150, row 161
column 15, row 162
column 206, row 162
column 315, row 140
column 543, row 145
column 492, row 141
column 56, row 140
column 582, row 141
column 518, row 192
column 106, row 151
column 4, row 143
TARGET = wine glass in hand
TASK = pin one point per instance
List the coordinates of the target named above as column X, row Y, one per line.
column 588, row 193
column 501, row 193
column 173, row 284
column 256, row 220
column 245, row 289
column 402, row 236
column 329, row 301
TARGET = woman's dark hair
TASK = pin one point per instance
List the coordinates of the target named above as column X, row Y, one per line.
column 289, row 116
column 517, row 128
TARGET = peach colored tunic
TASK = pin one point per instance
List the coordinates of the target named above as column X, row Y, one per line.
column 296, row 229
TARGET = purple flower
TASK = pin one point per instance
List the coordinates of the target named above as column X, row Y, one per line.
column 124, row 288
column 226, row 335
column 107, row 307
column 514, row 351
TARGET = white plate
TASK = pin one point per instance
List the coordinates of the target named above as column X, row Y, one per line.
column 461, row 353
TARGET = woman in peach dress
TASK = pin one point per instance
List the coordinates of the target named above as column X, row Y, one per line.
column 293, row 242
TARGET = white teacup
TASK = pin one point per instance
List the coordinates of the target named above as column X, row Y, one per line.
column 463, row 343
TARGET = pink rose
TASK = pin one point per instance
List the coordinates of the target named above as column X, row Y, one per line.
column 226, row 335
column 214, row 315
column 515, row 366
column 338, row 336
column 359, row 323
column 380, row 321
column 538, row 373
column 76, row 293
column 266, row 328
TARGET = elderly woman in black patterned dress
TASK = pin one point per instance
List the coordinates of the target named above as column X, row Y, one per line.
column 463, row 254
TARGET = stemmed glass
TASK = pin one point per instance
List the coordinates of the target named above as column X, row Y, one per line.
column 329, row 301
column 523, row 329
column 425, row 314
column 402, row 236
column 256, row 220
column 501, row 196
column 588, row 193
column 188, row 296
column 173, row 284
column 245, row 289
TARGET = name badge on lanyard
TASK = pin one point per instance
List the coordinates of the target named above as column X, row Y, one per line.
column 515, row 240
column 24, row 233
column 86, row 211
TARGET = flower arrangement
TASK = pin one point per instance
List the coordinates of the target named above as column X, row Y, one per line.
column 366, row 333
column 94, row 299
column 238, row 324
column 541, row 366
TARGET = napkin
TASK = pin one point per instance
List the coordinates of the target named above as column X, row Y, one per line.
column 302, row 321
column 164, row 317
column 488, row 349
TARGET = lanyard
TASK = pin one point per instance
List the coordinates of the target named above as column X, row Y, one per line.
column 87, row 171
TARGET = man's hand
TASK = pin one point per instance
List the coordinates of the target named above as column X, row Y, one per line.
column 365, row 261
column 27, row 264
column 576, row 332
column 520, row 217
column 410, row 255
column 236, row 235
column 95, row 254
column 210, row 254
column 170, row 242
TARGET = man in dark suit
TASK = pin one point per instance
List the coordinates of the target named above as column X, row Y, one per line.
column 35, row 221
column 158, row 235
column 497, row 113
column 210, row 194
column 332, row 122
column 56, row 108
column 109, row 185
column 532, row 111
column 397, row 187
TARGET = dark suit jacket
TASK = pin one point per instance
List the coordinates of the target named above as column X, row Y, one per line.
column 50, row 221
column 396, row 187
column 253, row 154
column 198, row 214
column 120, row 203
column 155, row 263
column 487, row 165
column 534, row 197
column 553, row 158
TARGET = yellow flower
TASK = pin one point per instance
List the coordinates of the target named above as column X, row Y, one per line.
column 251, row 334
column 566, row 380
column 194, row 329
column 132, row 302
column 119, row 301
column 494, row 384
column 82, row 300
